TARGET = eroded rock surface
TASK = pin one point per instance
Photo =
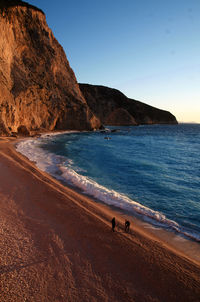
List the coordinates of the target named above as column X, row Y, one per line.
column 113, row 108
column 38, row 89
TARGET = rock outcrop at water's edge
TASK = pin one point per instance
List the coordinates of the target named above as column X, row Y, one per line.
column 113, row 108
column 38, row 89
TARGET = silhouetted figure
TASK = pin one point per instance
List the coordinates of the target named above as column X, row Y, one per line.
column 113, row 224
column 127, row 226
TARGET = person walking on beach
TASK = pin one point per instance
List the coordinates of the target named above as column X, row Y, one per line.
column 127, row 226
column 113, row 224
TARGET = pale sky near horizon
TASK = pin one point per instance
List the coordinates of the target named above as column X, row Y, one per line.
column 148, row 49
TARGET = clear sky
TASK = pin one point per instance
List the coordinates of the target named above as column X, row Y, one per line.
column 148, row 49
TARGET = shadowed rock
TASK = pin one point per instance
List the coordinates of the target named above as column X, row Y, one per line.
column 113, row 108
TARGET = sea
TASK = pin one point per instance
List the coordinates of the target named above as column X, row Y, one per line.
column 151, row 172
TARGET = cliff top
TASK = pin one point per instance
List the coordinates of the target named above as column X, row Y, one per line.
column 4, row 4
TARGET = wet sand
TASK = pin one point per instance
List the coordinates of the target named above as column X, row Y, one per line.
column 57, row 245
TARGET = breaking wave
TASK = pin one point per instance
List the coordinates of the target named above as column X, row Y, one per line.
column 60, row 168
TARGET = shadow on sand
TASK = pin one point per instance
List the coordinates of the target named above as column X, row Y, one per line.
column 17, row 267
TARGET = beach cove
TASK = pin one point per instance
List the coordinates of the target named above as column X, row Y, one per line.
column 57, row 245
column 148, row 172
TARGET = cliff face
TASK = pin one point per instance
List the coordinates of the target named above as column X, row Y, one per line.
column 113, row 108
column 38, row 89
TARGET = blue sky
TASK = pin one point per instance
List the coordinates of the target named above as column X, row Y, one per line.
column 148, row 49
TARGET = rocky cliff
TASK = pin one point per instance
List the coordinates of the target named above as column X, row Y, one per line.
column 38, row 89
column 113, row 108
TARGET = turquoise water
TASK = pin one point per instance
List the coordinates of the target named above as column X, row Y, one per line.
column 150, row 171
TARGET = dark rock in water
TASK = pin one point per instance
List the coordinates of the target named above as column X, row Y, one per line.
column 22, row 130
column 113, row 108
column 38, row 89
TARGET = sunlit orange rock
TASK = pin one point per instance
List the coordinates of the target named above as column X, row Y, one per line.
column 38, row 89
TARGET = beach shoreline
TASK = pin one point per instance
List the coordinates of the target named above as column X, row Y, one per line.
column 184, row 244
column 74, row 254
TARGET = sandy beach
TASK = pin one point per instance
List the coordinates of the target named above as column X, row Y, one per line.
column 57, row 245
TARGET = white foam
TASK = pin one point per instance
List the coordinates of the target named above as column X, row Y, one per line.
column 45, row 161
column 49, row 134
column 60, row 168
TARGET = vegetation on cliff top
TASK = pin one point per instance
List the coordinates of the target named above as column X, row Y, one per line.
column 4, row 4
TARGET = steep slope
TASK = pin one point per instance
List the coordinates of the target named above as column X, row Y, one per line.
column 113, row 108
column 38, row 89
